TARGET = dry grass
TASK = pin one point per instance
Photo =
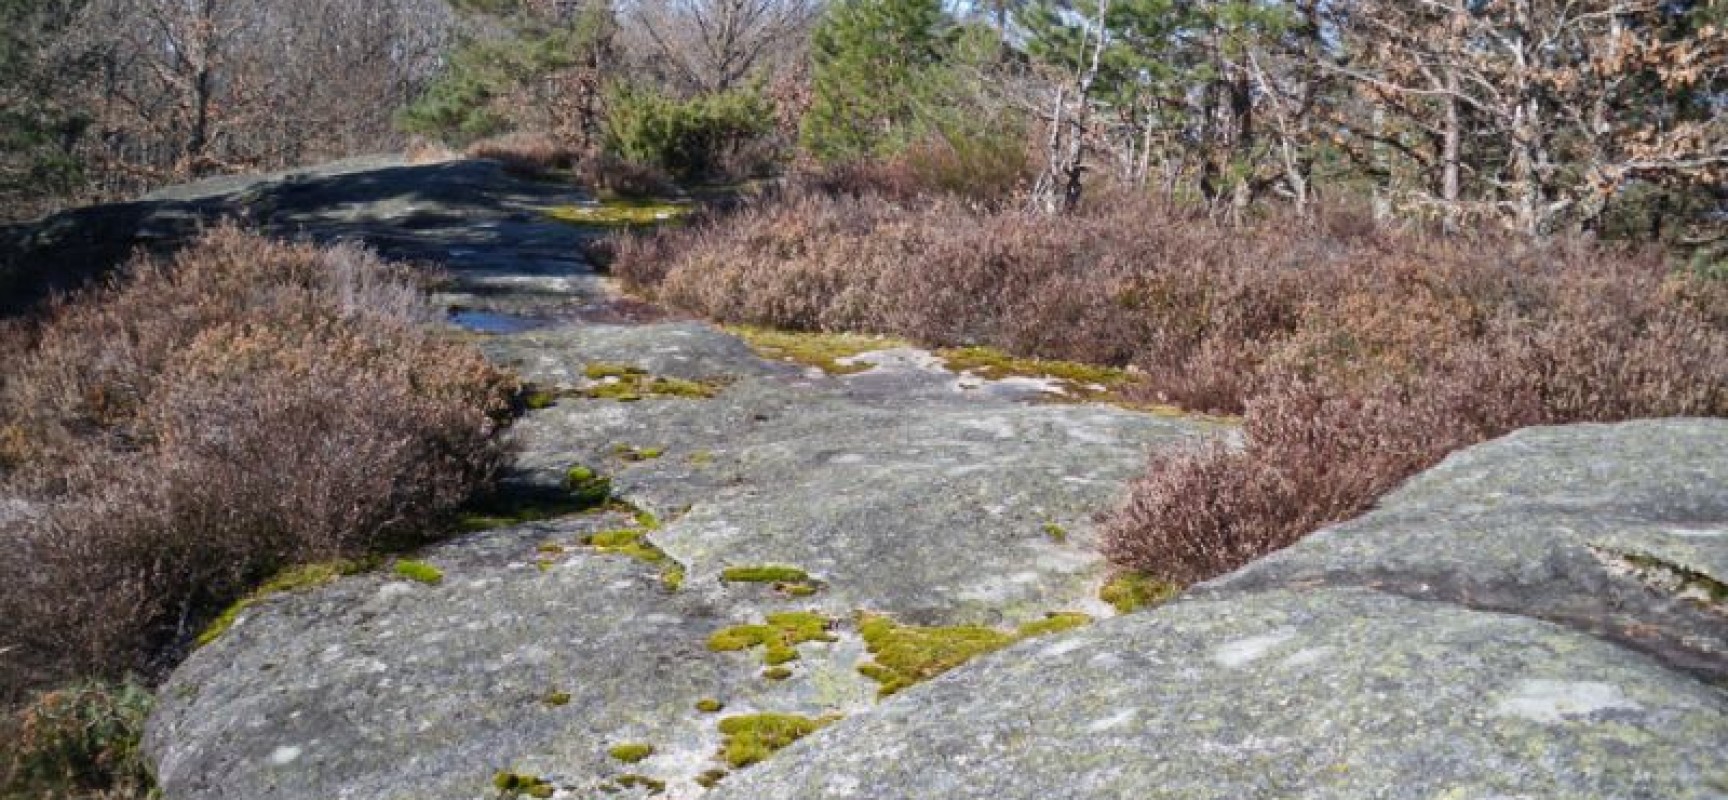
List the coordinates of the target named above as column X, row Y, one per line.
column 527, row 155
column 199, row 424
column 1358, row 356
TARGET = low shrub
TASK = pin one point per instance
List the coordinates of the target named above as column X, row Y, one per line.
column 722, row 135
column 529, row 155
column 202, row 423
column 80, row 742
column 1356, row 355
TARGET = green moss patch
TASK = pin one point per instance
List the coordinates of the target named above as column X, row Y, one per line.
column 514, row 784
column 752, row 738
column 788, row 580
column 556, row 698
column 910, row 654
column 777, row 673
column 1057, row 533
column 1128, row 591
column 298, row 578
column 710, row 778
column 709, row 705
column 1079, row 381
column 634, row 781
column 779, row 636
column 631, row 752
column 633, row 453
column 821, row 350
column 623, row 212
column 627, row 384
column 419, row 571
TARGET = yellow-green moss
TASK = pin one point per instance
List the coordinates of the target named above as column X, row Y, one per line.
column 777, row 673
column 909, row 654
column 752, row 738
column 631, row 752
column 710, row 778
column 632, row 780
column 556, row 698
column 821, row 350
column 1057, row 533
column 633, row 453
column 1054, row 622
column 701, row 458
column 628, row 384
column 1080, row 381
column 672, row 577
column 1128, row 591
column 788, row 580
column 709, row 705
column 633, row 543
column 549, row 548
column 514, row 784
column 766, row 573
column 779, row 636
column 621, row 212
column 419, row 571
column 537, row 398
column 587, row 487
column 582, row 490
column 600, row 370
column 305, row 576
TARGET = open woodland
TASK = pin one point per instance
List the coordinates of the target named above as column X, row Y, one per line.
column 1370, row 231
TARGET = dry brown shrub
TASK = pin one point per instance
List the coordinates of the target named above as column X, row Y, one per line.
column 527, row 155
column 1358, row 355
column 202, row 423
column 626, row 178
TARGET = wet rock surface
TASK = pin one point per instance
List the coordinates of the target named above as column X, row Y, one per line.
column 1534, row 618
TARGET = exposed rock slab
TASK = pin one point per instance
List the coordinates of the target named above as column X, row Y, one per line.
column 902, row 489
column 1553, row 523
column 1320, row 694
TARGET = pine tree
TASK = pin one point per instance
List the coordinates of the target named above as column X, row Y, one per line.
column 872, row 63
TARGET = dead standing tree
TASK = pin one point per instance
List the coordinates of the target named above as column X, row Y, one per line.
column 1058, row 188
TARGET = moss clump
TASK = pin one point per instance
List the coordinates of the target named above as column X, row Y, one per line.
column 824, row 351
column 779, row 636
column 909, row 654
column 764, row 574
column 587, row 487
column 709, row 705
column 305, row 576
column 777, row 673
column 652, row 785
column 622, row 212
column 549, row 548
column 632, row 453
column 1128, row 591
column 710, row 778
column 1054, row 622
column 419, row 571
column 787, row 580
column 701, row 458
column 1057, row 533
column 536, row 398
column 628, row 384
column 631, row 752
column 752, row 738
column 633, row 543
column 513, row 784
column 602, row 370
column 1084, row 381
column 556, row 698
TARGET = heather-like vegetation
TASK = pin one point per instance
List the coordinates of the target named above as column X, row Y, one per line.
column 1357, row 354
column 173, row 439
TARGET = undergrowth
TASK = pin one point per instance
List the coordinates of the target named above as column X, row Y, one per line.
column 1356, row 354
